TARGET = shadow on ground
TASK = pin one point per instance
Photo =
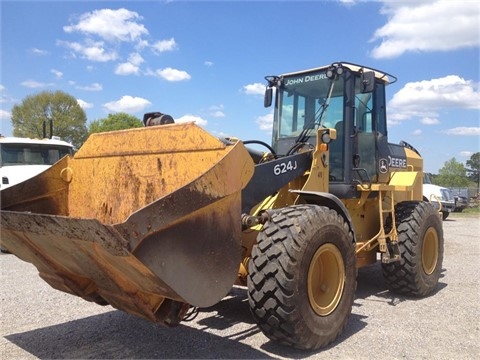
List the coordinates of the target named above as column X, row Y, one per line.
column 371, row 283
column 117, row 335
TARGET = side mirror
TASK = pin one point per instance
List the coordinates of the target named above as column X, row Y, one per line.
column 368, row 82
column 267, row 99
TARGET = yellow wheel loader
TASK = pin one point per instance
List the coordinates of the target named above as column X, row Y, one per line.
column 161, row 220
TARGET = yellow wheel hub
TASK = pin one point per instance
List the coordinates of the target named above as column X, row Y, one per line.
column 430, row 251
column 326, row 279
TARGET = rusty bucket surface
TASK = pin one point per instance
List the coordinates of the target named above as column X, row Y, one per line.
column 135, row 217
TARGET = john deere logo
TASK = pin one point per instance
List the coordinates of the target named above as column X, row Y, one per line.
column 383, row 166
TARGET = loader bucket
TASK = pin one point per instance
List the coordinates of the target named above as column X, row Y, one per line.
column 134, row 218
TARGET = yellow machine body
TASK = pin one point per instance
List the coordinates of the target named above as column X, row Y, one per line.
column 159, row 219
column 367, row 214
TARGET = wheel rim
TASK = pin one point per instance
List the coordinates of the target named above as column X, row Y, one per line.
column 326, row 279
column 430, row 251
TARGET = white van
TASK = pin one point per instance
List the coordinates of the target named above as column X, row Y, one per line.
column 438, row 195
column 23, row 158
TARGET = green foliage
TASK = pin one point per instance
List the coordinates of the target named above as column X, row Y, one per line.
column 118, row 121
column 472, row 210
column 473, row 168
column 67, row 117
column 452, row 174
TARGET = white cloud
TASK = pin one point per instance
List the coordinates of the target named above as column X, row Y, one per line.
column 170, row 74
column 265, row 122
column 39, row 52
column 110, row 25
column 128, row 104
column 5, row 115
column 463, row 131
column 141, row 44
column 218, row 114
column 221, row 134
column 84, row 105
column 32, row 84
column 91, row 50
column 4, row 97
column 424, row 99
column 208, row 63
column 466, row 153
column 449, row 91
column 429, row 121
column 254, row 89
column 348, row 2
column 427, row 26
column 58, row 74
column 106, row 29
column 131, row 66
column 91, row 87
column 417, row 132
column 126, row 69
column 165, row 45
column 189, row 118
column 217, row 111
column 135, row 58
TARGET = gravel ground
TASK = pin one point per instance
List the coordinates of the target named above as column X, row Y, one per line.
column 39, row 322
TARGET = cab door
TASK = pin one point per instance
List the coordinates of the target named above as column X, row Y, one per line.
column 370, row 133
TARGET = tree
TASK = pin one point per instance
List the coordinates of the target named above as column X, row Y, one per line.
column 118, row 121
column 473, row 168
column 47, row 110
column 452, row 174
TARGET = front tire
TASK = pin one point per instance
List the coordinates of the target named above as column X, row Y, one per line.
column 302, row 276
column 445, row 215
column 420, row 238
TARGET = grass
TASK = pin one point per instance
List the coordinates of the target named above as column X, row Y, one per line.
column 468, row 212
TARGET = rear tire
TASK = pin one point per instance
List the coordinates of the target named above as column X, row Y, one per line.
column 302, row 276
column 420, row 238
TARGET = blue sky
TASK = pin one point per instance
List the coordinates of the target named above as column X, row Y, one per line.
column 206, row 60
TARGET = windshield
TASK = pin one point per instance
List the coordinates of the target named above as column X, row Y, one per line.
column 305, row 102
column 302, row 98
column 32, row 154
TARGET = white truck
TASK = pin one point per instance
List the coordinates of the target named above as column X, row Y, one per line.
column 438, row 195
column 24, row 158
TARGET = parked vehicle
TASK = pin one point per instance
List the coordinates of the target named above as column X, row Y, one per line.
column 461, row 203
column 441, row 197
column 23, row 158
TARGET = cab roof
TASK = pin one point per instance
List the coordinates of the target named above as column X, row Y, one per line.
column 381, row 75
column 19, row 140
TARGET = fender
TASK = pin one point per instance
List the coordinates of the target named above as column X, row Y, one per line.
column 271, row 176
column 328, row 200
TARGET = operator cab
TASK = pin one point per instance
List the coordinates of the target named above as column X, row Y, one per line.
column 346, row 97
